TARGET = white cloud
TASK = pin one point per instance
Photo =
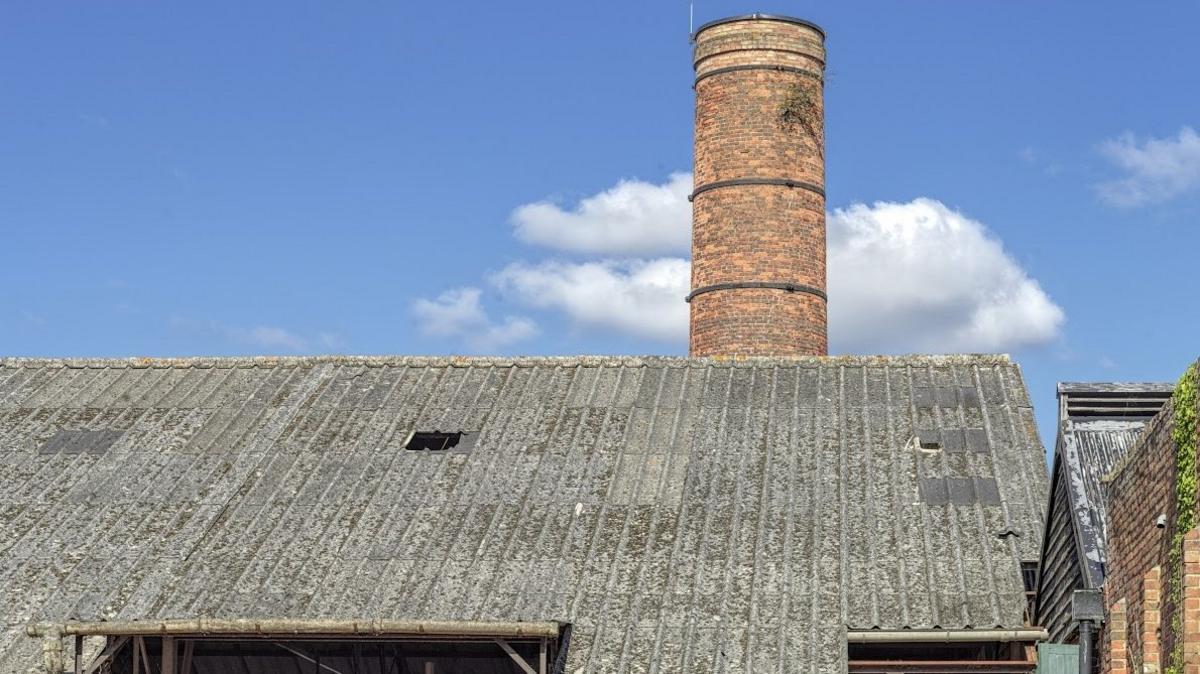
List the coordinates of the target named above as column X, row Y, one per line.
column 643, row 298
column 331, row 340
column 269, row 337
column 1156, row 170
column 921, row 277
column 459, row 314
column 633, row 218
column 904, row 277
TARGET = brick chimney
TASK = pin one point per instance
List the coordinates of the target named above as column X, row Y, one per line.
column 758, row 209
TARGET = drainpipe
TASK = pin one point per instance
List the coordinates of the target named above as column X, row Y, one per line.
column 277, row 626
column 1085, row 647
column 944, row 636
column 1087, row 608
column 52, row 651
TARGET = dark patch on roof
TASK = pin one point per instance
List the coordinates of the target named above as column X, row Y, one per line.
column 77, row 441
column 677, row 512
column 959, row 490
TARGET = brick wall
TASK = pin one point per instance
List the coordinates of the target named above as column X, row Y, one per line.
column 1138, row 637
column 1140, row 490
column 768, row 231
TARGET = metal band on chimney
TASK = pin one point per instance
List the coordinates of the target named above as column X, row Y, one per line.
column 794, row 52
column 733, row 69
column 783, row 182
column 770, row 285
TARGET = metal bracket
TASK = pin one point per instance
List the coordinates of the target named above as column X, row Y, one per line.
column 786, row 287
column 782, row 182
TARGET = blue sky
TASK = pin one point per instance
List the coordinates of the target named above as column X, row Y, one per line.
column 227, row 178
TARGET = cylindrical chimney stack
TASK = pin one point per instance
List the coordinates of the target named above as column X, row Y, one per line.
column 758, row 206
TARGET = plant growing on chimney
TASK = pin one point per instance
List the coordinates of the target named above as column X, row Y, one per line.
column 801, row 111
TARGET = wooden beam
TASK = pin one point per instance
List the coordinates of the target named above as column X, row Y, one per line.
column 78, row 654
column 303, row 656
column 141, row 644
column 515, row 656
column 167, row 666
column 189, row 648
column 109, row 652
column 542, row 657
column 941, row 666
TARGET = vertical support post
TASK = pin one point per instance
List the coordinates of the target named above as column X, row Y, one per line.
column 78, row 654
column 542, row 657
column 167, row 666
column 189, row 647
column 428, row 667
column 52, row 651
column 137, row 655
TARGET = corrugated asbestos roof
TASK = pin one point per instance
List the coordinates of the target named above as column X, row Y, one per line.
column 683, row 514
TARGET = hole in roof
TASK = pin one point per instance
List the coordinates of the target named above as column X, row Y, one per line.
column 433, row 441
column 929, row 440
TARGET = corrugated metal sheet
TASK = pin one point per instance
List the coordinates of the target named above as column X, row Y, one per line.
column 684, row 515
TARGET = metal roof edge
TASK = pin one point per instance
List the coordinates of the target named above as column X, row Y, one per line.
column 1114, row 387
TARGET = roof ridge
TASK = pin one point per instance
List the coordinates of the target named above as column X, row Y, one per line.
column 519, row 361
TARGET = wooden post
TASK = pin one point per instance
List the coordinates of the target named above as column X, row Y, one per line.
column 137, row 655
column 541, row 657
column 189, row 647
column 78, row 654
column 167, row 666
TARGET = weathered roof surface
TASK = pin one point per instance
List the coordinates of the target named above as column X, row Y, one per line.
column 683, row 514
column 1098, row 424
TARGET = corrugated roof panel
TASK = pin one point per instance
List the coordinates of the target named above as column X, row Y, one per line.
column 680, row 513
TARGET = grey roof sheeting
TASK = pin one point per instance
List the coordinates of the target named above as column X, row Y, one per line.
column 683, row 514
column 1098, row 425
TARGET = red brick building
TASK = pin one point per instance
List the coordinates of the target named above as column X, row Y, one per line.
column 1152, row 585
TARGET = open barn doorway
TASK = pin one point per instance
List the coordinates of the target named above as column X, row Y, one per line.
column 320, row 647
column 146, row 655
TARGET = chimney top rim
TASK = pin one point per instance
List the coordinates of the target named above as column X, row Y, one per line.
column 759, row 17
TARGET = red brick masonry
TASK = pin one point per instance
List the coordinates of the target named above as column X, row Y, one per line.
column 1140, row 631
column 765, row 233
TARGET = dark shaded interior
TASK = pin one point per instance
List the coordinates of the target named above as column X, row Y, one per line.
column 336, row 656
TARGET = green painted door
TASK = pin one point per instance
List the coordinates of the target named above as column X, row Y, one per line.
column 1058, row 658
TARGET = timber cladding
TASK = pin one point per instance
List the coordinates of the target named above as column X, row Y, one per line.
column 758, row 246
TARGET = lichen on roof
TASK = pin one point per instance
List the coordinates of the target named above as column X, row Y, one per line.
column 678, row 512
